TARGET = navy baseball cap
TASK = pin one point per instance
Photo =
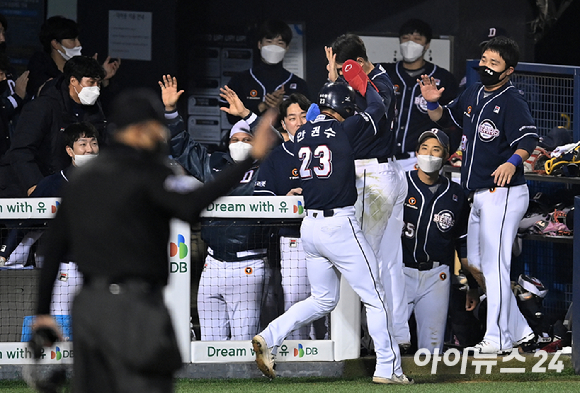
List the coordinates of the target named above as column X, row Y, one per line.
column 492, row 32
column 435, row 133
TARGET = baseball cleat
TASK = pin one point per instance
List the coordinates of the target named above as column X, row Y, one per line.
column 525, row 340
column 394, row 380
column 485, row 347
column 264, row 357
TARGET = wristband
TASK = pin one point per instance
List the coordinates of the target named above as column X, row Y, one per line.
column 515, row 160
column 431, row 106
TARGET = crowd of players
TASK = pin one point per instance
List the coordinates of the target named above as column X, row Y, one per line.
column 394, row 231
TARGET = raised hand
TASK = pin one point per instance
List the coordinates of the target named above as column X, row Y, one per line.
column 169, row 93
column 237, row 107
column 331, row 66
column 429, row 89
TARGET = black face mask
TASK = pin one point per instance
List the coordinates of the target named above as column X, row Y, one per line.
column 3, row 86
column 489, row 77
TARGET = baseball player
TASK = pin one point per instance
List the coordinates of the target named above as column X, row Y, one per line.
column 498, row 135
column 331, row 236
column 436, row 212
column 412, row 119
column 380, row 181
column 278, row 175
column 267, row 83
column 231, row 284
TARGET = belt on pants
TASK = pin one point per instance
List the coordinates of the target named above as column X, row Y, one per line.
column 422, row 266
column 320, row 213
column 382, row 160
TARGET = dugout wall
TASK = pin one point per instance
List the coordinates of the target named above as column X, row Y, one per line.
column 19, row 290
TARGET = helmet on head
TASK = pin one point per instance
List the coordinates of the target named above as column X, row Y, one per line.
column 339, row 97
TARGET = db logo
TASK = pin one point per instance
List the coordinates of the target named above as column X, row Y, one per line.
column 253, row 93
column 412, row 201
column 248, row 270
column 469, row 110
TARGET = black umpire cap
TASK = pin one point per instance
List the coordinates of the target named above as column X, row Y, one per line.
column 137, row 106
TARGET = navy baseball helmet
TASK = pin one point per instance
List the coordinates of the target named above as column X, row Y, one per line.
column 339, row 97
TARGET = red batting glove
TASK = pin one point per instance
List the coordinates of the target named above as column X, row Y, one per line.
column 356, row 77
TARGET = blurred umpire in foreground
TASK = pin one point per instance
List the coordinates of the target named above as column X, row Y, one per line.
column 114, row 222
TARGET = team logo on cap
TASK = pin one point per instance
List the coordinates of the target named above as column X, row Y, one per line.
column 348, row 67
column 487, row 131
column 444, row 220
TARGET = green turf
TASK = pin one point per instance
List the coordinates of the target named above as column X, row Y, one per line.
column 529, row 382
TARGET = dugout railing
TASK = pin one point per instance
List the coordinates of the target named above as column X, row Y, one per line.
column 20, row 292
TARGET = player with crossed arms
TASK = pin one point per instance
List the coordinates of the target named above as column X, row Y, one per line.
column 331, row 236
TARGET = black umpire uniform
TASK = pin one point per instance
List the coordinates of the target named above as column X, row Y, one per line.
column 114, row 221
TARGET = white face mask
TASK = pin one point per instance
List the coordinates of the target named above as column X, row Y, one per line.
column 240, row 151
column 83, row 159
column 429, row 164
column 411, row 51
column 272, row 54
column 89, row 94
column 68, row 53
column 290, row 137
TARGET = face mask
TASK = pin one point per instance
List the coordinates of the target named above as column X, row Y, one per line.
column 68, row 53
column 411, row 51
column 429, row 164
column 240, row 151
column 291, row 137
column 83, row 159
column 272, row 54
column 89, row 94
column 489, row 77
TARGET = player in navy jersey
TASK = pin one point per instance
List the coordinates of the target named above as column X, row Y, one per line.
column 436, row 213
column 412, row 118
column 279, row 176
column 331, row 236
column 267, row 83
column 498, row 135
column 381, row 184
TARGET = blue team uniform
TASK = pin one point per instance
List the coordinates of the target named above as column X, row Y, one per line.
column 435, row 223
column 331, row 236
column 382, row 146
column 412, row 118
column 494, row 126
column 435, row 227
column 278, row 175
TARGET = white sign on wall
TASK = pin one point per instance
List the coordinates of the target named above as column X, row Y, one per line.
column 130, row 35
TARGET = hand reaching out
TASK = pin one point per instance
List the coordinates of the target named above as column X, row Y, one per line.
column 237, row 107
column 169, row 93
column 331, row 66
column 429, row 89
